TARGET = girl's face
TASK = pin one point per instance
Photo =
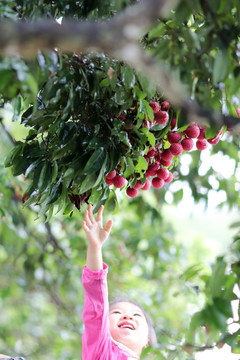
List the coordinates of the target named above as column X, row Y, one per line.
column 128, row 326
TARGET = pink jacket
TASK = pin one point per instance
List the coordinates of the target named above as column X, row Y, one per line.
column 97, row 341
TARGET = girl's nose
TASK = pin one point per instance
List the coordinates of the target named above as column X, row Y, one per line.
column 127, row 316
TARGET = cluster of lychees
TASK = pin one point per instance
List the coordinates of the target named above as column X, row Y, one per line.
column 161, row 158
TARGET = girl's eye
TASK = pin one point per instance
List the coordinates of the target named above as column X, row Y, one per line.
column 137, row 314
column 116, row 312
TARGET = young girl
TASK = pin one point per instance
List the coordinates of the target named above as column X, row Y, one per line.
column 116, row 332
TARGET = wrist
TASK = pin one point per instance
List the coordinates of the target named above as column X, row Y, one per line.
column 94, row 258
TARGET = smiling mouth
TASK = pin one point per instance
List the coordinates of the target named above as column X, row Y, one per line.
column 126, row 326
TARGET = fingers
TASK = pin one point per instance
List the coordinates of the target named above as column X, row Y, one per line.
column 85, row 227
column 90, row 214
column 87, row 217
column 108, row 227
column 99, row 214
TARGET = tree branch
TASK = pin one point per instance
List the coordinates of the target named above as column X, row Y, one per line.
column 27, row 38
column 118, row 37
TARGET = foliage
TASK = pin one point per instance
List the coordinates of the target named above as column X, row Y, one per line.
column 71, row 106
column 74, row 101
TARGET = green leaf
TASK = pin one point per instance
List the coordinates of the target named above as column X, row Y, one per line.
column 13, row 154
column 148, row 87
column 142, row 164
column 56, row 191
column 120, row 96
column 151, row 138
column 95, row 161
column 130, row 168
column 128, row 76
column 220, row 66
column 45, row 178
column 88, row 182
column 123, row 136
column 54, row 170
column 20, row 166
column 149, row 110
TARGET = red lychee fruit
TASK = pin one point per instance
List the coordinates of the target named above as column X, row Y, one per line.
column 201, row 144
column 201, row 136
column 192, row 131
column 151, row 152
column 132, row 192
column 174, row 137
column 150, row 173
column 155, row 106
column 216, row 138
column 151, row 170
column 121, row 117
column 166, row 155
column 154, row 166
column 162, row 173
column 146, row 158
column 119, row 181
column 149, row 124
column 111, row 175
column 173, row 123
column 169, row 178
column 165, row 105
column 238, row 112
column 166, row 163
column 187, row 144
column 176, row 149
column 147, row 185
column 157, row 183
column 138, row 185
column 161, row 117
column 108, row 181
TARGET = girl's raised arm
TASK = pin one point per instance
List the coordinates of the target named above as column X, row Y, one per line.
column 96, row 236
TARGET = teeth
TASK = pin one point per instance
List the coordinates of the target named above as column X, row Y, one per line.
column 127, row 326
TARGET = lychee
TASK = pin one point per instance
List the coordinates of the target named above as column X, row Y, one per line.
column 121, row 117
column 201, row 136
column 166, row 163
column 111, row 175
column 201, row 144
column 132, row 192
column 161, row 117
column 162, row 173
column 192, row 131
column 157, row 183
column 147, row 185
column 138, row 185
column 173, row 123
column 187, row 144
column 108, row 181
column 155, row 106
column 151, row 152
column 165, row 105
column 146, row 158
column 167, row 155
column 176, row 149
column 119, row 181
column 169, row 178
column 174, row 137
column 216, row 138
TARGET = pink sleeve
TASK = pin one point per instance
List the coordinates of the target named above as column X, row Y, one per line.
column 96, row 337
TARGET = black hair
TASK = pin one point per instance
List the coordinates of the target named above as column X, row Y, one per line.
column 151, row 332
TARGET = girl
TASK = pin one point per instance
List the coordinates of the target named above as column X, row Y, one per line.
column 116, row 332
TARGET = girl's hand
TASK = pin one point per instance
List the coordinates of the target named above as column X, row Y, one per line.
column 95, row 232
